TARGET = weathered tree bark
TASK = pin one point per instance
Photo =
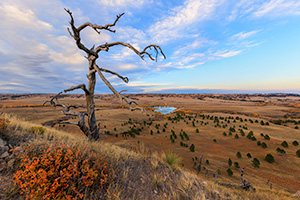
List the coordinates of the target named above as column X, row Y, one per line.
column 92, row 130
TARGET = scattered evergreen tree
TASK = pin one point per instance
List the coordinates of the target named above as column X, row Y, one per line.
column 298, row 153
column 215, row 140
column 229, row 172
column 296, row 127
column 269, row 158
column 229, row 162
column 255, row 163
column 264, row 145
column 224, row 133
column 192, row 148
column 295, row 143
column 284, row 144
column 197, row 130
column 279, row 150
column 258, row 143
column 236, row 164
column 238, row 155
column 249, row 155
column 207, row 162
column 236, row 136
column 267, row 137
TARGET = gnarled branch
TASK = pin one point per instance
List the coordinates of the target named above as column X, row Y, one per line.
column 81, row 86
column 125, row 79
column 121, row 97
column 157, row 49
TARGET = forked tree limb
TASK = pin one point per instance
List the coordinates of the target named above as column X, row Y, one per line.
column 118, row 94
column 81, row 86
column 125, row 79
column 157, row 49
column 246, row 185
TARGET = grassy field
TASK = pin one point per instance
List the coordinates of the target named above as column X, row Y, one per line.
column 217, row 126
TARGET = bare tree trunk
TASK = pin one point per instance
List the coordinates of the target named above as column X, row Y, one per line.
column 92, row 131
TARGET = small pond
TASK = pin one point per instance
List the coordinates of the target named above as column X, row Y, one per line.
column 164, row 109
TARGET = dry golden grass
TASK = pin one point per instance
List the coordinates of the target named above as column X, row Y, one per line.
column 147, row 174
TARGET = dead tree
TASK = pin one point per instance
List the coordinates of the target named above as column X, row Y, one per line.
column 92, row 130
column 246, row 185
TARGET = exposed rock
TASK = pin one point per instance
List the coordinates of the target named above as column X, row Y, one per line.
column 297, row 194
column 4, row 155
column 2, row 143
column 10, row 163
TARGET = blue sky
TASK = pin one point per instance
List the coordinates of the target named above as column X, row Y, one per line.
column 218, row 46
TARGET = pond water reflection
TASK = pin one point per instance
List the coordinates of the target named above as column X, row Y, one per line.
column 164, row 109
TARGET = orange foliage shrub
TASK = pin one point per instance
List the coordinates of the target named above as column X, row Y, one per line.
column 3, row 123
column 57, row 171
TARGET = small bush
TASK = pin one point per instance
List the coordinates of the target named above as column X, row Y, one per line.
column 269, row 158
column 207, row 162
column 229, row 162
column 267, row 137
column 284, row 144
column 264, row 145
column 172, row 159
column 255, row 163
column 192, row 148
column 279, row 150
column 37, row 129
column 229, row 172
column 238, row 155
column 249, row 155
column 258, row 143
column 236, row 136
column 197, row 130
column 236, row 164
column 57, row 171
column 214, row 140
column 224, row 133
column 295, row 143
column 298, row 153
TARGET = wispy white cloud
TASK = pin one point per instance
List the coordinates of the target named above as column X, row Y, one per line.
column 122, row 3
column 278, row 8
column 244, row 35
column 192, row 11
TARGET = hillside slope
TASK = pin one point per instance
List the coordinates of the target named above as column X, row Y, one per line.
column 139, row 174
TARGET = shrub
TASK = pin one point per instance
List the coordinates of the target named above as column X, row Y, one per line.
column 298, row 153
column 229, row 172
column 229, row 133
column 264, row 145
column 238, row 155
column 249, row 155
column 295, row 143
column 207, row 162
column 242, row 132
column 296, row 127
column 172, row 158
column 255, row 163
column 236, row 136
column 197, row 130
column 267, row 137
column 57, row 171
column 229, row 162
column 284, row 144
column 258, row 143
column 37, row 129
column 192, row 148
column 224, row 133
column 236, row 164
column 215, row 140
column 269, row 158
column 282, row 151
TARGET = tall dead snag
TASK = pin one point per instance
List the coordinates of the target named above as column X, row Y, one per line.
column 246, row 185
column 92, row 54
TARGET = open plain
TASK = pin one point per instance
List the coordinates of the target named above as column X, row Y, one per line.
column 214, row 127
